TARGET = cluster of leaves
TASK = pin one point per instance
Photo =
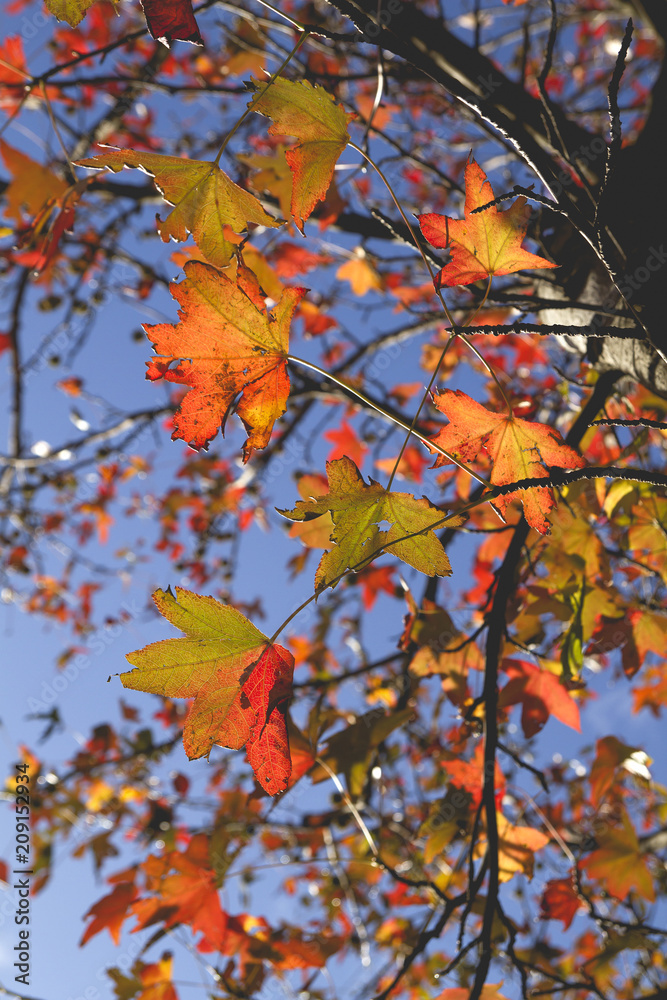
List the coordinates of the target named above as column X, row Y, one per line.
column 436, row 808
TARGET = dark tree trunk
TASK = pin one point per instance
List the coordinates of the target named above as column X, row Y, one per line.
column 619, row 261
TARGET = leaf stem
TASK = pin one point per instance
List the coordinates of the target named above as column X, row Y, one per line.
column 305, row 32
column 400, row 423
column 407, row 222
column 438, row 291
column 286, row 17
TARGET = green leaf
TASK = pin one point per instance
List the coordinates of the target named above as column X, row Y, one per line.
column 357, row 508
column 206, row 202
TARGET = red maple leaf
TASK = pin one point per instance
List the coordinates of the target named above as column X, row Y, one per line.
column 169, row 20
column 560, row 901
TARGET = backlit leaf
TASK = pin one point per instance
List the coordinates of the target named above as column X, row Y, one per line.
column 541, row 695
column 110, row 912
column 520, row 449
column 610, row 755
column 560, row 901
column 618, row 862
column 225, row 344
column 169, row 20
column 206, row 202
column 484, row 244
column 72, row 11
column 239, row 681
column 357, row 508
column 311, row 115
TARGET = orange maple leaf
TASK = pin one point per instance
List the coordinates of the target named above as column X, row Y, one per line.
column 541, row 695
column 225, row 344
column 361, row 275
column 110, row 912
column 469, row 775
column 520, row 449
column 183, row 888
column 612, row 756
column 619, row 863
column 156, row 980
column 484, row 244
column 517, row 846
column 346, row 443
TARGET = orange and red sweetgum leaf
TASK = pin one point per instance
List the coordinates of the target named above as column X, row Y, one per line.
column 224, row 345
column 156, row 977
column 610, row 755
column 484, row 244
column 212, row 663
column 311, row 115
column 206, row 202
column 169, row 20
column 188, row 896
column 31, row 187
column 520, row 449
column 516, row 848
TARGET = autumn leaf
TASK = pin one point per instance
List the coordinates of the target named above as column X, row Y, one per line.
column 361, row 275
column 560, row 901
column 374, row 579
column 268, row 690
column 31, row 187
column 239, row 681
column 72, row 11
column 349, row 750
column 469, row 776
column 519, row 449
column 488, row 243
column 271, row 174
column 314, row 532
column 618, row 862
column 357, row 508
column 169, row 20
column 110, row 912
column 156, row 980
column 346, row 442
column 443, row 650
column 541, row 695
column 224, row 344
column 206, row 202
column 517, row 846
column 311, row 115
column 610, row 756
column 13, row 70
column 182, row 888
